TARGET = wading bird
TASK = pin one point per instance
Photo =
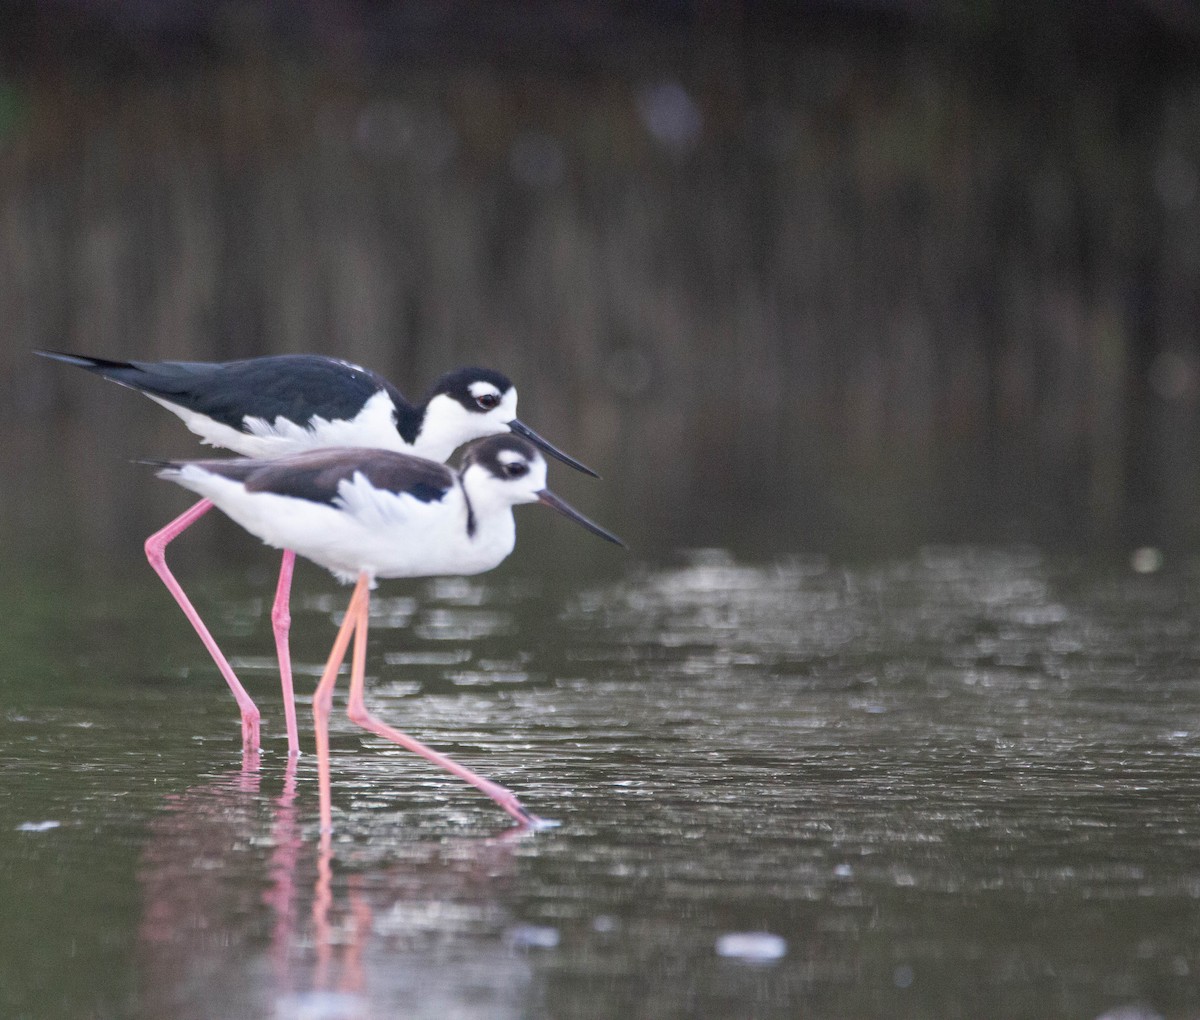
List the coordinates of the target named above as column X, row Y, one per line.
column 371, row 514
column 283, row 404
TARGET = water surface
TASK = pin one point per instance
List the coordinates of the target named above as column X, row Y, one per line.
column 961, row 783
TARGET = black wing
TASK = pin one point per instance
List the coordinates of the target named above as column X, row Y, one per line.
column 294, row 386
column 316, row 474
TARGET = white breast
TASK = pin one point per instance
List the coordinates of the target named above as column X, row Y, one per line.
column 385, row 534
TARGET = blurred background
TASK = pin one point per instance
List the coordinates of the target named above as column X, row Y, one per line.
column 834, row 275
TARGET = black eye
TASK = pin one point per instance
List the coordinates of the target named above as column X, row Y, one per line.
column 516, row 469
column 486, row 401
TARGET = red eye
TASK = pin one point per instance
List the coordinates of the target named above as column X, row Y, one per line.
column 486, row 401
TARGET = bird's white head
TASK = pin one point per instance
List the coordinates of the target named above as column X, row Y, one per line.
column 500, row 472
column 470, row 403
column 463, row 405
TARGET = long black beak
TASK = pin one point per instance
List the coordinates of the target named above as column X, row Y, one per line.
column 521, row 429
column 563, row 507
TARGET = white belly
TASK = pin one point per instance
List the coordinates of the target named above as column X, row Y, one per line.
column 378, row 532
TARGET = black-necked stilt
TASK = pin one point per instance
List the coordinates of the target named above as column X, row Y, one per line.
column 284, row 404
column 370, row 514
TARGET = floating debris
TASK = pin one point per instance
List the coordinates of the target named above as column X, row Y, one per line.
column 752, row 946
column 38, row 826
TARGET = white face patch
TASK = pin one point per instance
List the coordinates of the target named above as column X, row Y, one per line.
column 507, row 457
column 448, row 425
column 483, row 389
column 506, row 410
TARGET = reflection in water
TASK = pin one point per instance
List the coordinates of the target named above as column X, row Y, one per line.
column 225, row 870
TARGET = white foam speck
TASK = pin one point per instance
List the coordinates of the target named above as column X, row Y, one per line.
column 38, row 826
column 752, row 946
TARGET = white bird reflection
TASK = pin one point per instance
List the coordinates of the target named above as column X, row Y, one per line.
column 244, row 914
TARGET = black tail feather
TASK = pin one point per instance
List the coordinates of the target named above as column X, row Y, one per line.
column 123, row 372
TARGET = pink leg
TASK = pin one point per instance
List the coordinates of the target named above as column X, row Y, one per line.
column 281, row 621
column 323, row 701
column 156, row 553
column 357, row 710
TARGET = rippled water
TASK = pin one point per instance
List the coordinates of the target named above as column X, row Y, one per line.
column 959, row 784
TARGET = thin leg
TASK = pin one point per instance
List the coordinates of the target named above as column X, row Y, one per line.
column 323, row 697
column 357, row 710
column 156, row 553
column 281, row 622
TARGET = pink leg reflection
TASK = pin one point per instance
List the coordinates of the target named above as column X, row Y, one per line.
column 354, row 979
column 322, row 901
column 347, row 951
column 281, row 897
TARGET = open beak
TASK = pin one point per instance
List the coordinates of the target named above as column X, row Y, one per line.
column 521, row 429
column 549, row 499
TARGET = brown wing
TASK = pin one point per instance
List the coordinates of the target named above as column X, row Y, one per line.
column 316, row 474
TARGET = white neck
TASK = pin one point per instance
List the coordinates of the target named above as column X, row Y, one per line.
column 447, row 425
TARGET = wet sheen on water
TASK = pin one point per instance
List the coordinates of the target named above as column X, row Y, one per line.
column 959, row 784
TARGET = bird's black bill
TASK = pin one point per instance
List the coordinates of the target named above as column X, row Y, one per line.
column 549, row 499
column 521, row 429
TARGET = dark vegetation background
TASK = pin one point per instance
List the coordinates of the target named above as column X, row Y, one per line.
column 847, row 276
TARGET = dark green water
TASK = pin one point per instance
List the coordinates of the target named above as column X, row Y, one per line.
column 959, row 784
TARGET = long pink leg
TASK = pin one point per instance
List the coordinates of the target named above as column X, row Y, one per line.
column 281, row 622
column 156, row 553
column 323, row 699
column 357, row 710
